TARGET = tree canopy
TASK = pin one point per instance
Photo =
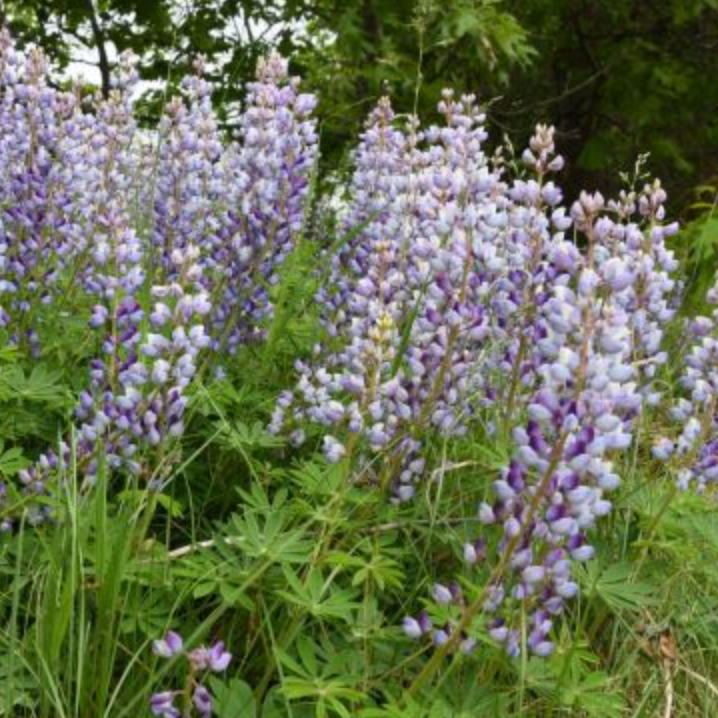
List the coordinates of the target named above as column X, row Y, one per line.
column 626, row 76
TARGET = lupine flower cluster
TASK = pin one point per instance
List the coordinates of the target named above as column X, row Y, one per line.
column 408, row 297
column 534, row 227
column 136, row 396
column 193, row 698
column 33, row 192
column 693, row 450
column 267, row 183
column 172, row 238
column 598, row 311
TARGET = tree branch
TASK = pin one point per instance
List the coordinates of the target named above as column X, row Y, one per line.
column 99, row 37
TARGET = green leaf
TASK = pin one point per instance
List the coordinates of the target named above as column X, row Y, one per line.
column 269, row 537
column 12, row 460
column 173, row 507
column 204, row 589
column 233, row 699
column 243, row 437
column 595, row 696
column 317, row 597
column 42, row 385
column 235, row 595
column 617, row 587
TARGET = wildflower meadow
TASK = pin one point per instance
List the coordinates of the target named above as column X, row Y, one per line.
column 428, row 438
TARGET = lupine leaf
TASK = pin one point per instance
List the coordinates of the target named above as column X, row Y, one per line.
column 617, row 587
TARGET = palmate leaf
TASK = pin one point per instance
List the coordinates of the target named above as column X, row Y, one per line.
column 317, row 597
column 318, row 479
column 383, row 571
column 616, row 587
column 42, row 385
column 242, row 437
column 8, row 352
column 269, row 537
column 374, row 561
column 315, row 678
column 12, row 460
column 222, row 395
column 17, row 422
column 705, row 243
column 72, row 345
column 570, row 678
column 150, row 618
column 330, row 694
column 232, row 699
column 595, row 696
column 571, row 664
column 702, row 529
column 484, row 703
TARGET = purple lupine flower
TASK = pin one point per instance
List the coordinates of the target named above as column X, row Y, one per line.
column 265, row 193
column 34, row 119
column 220, row 218
column 202, row 700
column 442, row 595
column 692, row 451
column 217, row 658
column 214, row 658
column 197, row 662
column 135, row 398
column 536, row 253
column 162, row 704
column 168, row 646
column 411, row 627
